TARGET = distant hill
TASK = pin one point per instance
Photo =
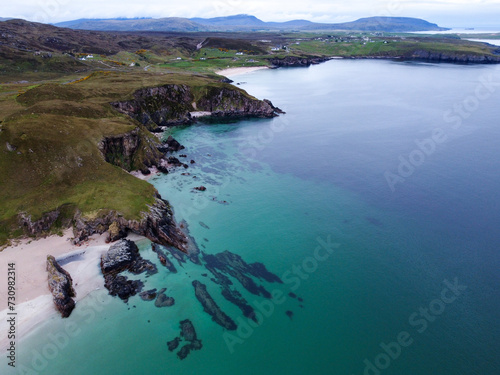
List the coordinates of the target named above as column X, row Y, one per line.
column 388, row 24
column 244, row 22
column 135, row 24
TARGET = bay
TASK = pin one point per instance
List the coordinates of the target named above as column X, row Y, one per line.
column 279, row 189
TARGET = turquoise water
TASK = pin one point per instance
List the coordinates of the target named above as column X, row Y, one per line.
column 277, row 189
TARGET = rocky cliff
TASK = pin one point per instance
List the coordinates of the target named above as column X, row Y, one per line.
column 124, row 256
column 61, row 287
column 290, row 61
column 172, row 104
column 157, row 224
column 453, row 57
column 135, row 150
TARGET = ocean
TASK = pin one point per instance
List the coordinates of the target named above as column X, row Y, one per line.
column 374, row 200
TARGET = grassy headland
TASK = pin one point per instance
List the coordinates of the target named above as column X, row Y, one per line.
column 55, row 96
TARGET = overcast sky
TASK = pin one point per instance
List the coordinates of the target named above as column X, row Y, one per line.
column 451, row 13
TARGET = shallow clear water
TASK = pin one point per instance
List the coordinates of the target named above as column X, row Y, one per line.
column 277, row 189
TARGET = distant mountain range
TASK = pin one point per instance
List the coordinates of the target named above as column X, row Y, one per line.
column 244, row 22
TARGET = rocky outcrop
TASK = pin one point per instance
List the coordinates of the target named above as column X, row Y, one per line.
column 171, row 145
column 211, row 307
column 122, row 287
column 166, row 105
column 124, row 256
column 42, row 225
column 61, row 287
column 171, row 105
column 453, row 57
column 135, row 150
column 157, row 224
column 290, row 61
column 230, row 102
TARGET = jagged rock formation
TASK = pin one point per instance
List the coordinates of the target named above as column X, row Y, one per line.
column 231, row 102
column 124, row 255
column 171, row 145
column 61, row 287
column 135, row 150
column 289, row 61
column 211, row 307
column 42, row 225
column 157, row 224
column 159, row 106
column 171, row 105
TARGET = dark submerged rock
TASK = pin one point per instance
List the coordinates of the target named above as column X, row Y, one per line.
column 148, row 295
column 184, row 352
column 211, row 307
column 162, row 300
column 187, row 330
column 163, row 258
column 173, row 344
column 122, row 287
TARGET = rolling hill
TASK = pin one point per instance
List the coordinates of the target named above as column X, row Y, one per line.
column 244, row 22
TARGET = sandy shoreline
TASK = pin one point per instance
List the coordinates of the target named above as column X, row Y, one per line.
column 230, row 72
column 33, row 299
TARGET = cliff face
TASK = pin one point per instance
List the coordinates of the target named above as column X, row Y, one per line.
column 157, row 224
column 227, row 102
column 61, row 287
column 43, row 225
column 171, row 105
column 135, row 150
column 455, row 57
column 159, row 106
column 139, row 149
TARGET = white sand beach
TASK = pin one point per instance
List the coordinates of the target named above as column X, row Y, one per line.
column 230, row 72
column 33, row 299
